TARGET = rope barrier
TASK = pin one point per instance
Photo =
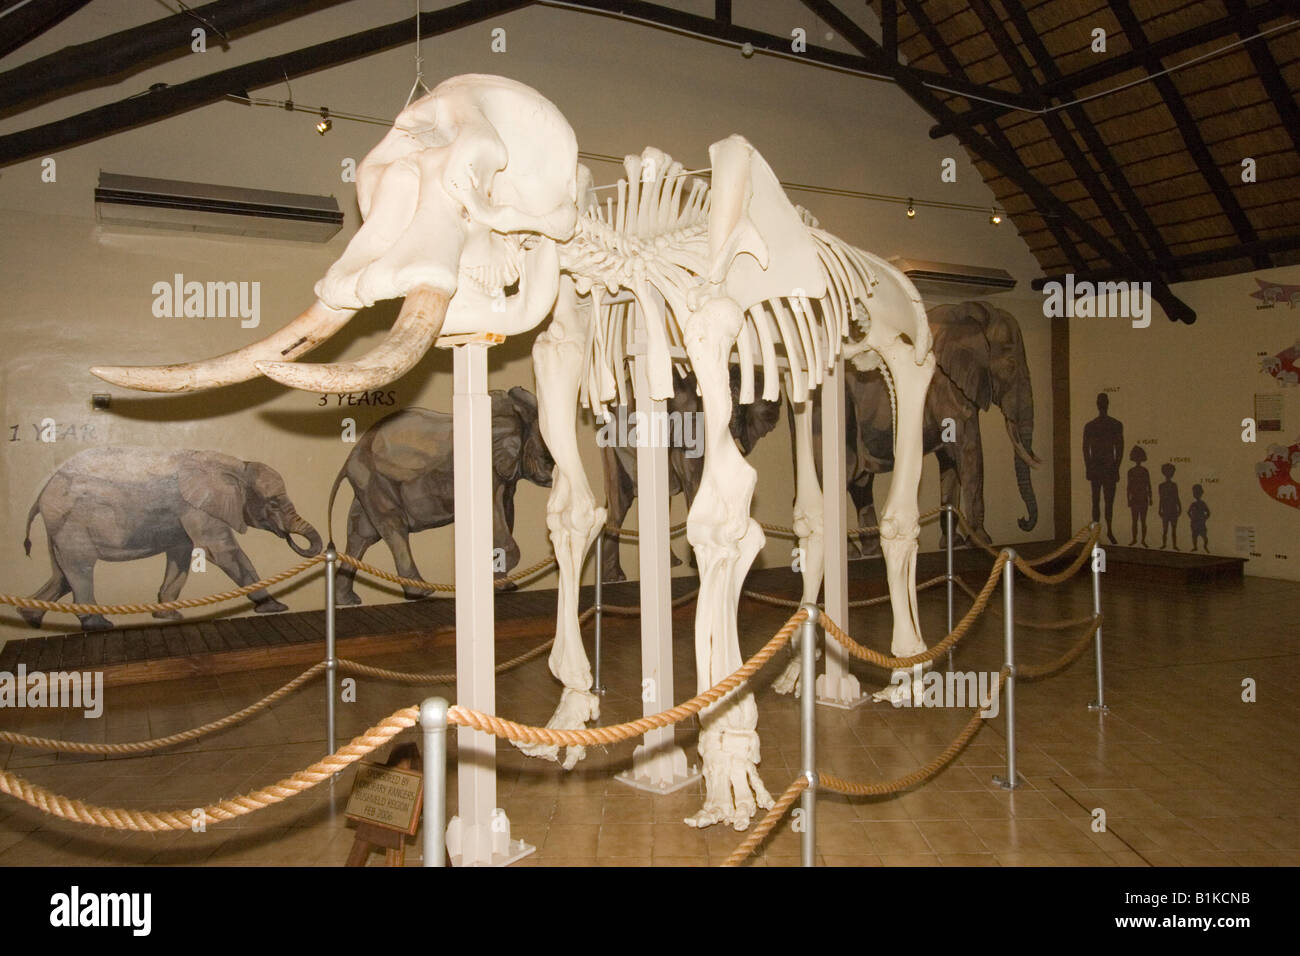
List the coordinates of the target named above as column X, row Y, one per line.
column 771, row 819
column 120, row 818
column 615, row 733
column 862, row 653
column 1025, row 622
column 177, row 605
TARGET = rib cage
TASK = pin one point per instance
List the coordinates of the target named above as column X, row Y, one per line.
column 649, row 247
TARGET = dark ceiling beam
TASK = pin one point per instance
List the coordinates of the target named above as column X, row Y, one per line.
column 1130, row 207
column 995, row 134
column 128, row 50
column 29, row 22
column 168, row 101
column 872, row 64
column 1006, row 162
column 1113, row 66
column 1270, row 77
column 1191, row 134
column 889, row 28
column 722, row 11
column 1276, row 245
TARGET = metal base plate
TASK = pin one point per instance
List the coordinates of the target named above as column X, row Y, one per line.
column 517, row 850
column 1006, row 784
column 631, row 778
column 844, row 705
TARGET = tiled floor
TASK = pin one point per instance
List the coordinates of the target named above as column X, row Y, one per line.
column 1185, row 770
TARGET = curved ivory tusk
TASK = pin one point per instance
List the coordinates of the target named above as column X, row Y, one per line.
column 1024, row 454
column 417, row 325
column 298, row 337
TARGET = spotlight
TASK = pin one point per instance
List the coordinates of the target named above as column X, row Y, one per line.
column 325, row 124
column 995, row 217
column 911, row 210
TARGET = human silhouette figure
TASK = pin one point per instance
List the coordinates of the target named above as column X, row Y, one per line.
column 1170, row 506
column 1103, row 450
column 1197, row 513
column 1138, row 490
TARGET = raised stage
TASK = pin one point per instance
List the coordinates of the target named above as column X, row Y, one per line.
column 155, row 651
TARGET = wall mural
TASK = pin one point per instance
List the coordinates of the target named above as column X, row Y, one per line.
column 1271, row 293
column 1284, row 366
column 1279, row 473
column 402, row 479
column 123, row 503
column 980, row 362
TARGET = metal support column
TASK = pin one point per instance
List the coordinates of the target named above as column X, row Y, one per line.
column 1010, row 781
column 433, row 722
column 331, row 657
column 808, row 735
column 1098, row 568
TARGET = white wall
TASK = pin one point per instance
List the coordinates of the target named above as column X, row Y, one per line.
column 77, row 294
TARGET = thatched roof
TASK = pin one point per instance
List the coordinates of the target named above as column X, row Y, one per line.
column 1154, row 164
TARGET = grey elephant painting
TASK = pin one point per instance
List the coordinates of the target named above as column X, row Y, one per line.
column 403, row 480
column 749, row 423
column 124, row 503
column 980, row 362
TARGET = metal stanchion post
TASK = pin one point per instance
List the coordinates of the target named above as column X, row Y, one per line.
column 948, row 517
column 599, row 687
column 331, row 658
column 433, row 721
column 1011, row 781
column 1098, row 558
column 808, row 733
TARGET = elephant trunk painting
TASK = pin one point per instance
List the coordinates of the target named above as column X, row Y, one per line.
column 121, row 503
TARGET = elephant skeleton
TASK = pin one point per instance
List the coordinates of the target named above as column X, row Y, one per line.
column 476, row 210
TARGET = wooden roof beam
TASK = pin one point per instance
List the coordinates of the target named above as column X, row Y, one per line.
column 1068, row 85
column 27, row 23
column 1190, row 133
column 128, row 50
column 1249, row 23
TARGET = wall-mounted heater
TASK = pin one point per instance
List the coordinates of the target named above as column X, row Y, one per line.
column 229, row 210
column 948, row 278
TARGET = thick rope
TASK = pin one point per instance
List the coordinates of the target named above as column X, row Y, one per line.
column 418, row 584
column 855, row 649
column 610, row 530
column 919, row 775
column 1022, row 621
column 771, row 819
column 1029, row 570
column 157, row 743
column 1040, row 671
column 614, row 733
column 37, row 605
column 119, row 818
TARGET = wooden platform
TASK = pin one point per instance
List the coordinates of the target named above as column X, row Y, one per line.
column 158, row 651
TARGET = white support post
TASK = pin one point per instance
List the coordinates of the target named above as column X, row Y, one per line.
column 658, row 764
column 479, row 835
column 836, row 686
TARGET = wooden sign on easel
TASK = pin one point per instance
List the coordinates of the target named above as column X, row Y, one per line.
column 385, row 803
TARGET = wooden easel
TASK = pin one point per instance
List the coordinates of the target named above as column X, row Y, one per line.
column 372, row 836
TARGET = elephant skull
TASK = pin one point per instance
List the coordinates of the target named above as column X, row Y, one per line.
column 463, row 202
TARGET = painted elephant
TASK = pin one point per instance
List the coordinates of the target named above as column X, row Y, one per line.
column 403, row 481
column 122, row 503
column 749, row 423
column 980, row 361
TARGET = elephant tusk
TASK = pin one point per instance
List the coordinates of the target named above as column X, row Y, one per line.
column 1024, row 454
column 298, row 337
column 417, row 325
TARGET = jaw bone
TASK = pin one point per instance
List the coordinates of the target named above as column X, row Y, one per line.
column 416, row 327
column 300, row 336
